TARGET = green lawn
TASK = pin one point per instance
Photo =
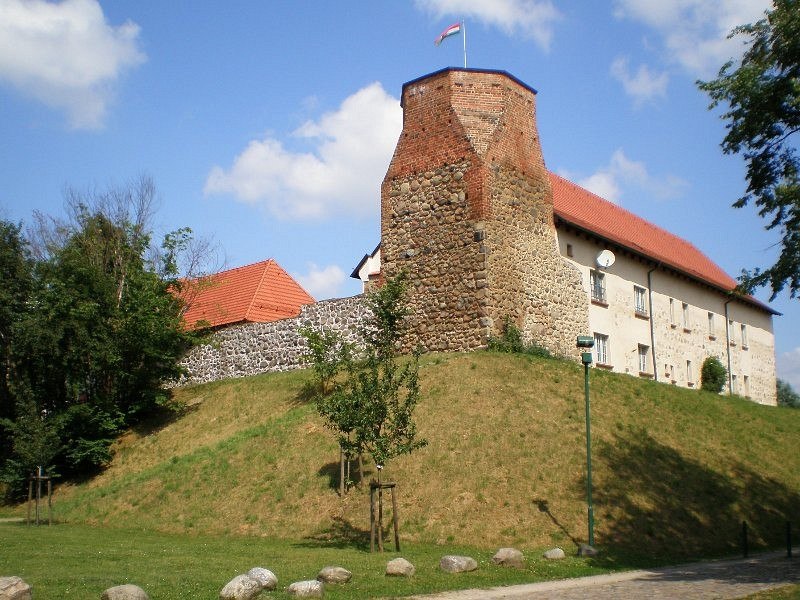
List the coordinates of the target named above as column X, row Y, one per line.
column 78, row 561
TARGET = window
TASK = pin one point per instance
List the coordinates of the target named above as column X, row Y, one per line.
column 731, row 333
column 734, row 387
column 569, row 249
column 746, row 386
column 639, row 300
column 689, row 374
column 601, row 349
column 686, row 317
column 644, row 367
column 744, row 336
column 712, row 333
column 597, row 282
column 672, row 312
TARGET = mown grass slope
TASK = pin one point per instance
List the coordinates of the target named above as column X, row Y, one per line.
column 676, row 471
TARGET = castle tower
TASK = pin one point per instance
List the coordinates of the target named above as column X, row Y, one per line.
column 467, row 212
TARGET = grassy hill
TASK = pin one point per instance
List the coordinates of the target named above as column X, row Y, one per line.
column 675, row 470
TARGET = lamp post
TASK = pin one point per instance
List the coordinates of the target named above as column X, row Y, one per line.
column 586, row 342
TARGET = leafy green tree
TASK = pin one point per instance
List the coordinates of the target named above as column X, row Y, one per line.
column 712, row 375
column 786, row 395
column 16, row 277
column 371, row 410
column 763, row 119
column 327, row 354
column 98, row 333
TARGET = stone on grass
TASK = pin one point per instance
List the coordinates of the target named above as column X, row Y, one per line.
column 306, row 589
column 241, row 587
column 457, row 564
column 509, row 557
column 264, row 577
column 334, row 575
column 586, row 550
column 400, row 567
column 14, row 588
column 554, row 554
column 125, row 592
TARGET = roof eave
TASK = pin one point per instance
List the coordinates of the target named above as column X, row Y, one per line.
column 658, row 262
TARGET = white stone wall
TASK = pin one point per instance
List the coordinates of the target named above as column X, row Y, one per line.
column 672, row 342
column 252, row 348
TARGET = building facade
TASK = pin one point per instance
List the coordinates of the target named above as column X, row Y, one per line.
column 485, row 234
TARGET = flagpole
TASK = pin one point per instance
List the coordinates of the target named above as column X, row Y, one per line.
column 464, row 29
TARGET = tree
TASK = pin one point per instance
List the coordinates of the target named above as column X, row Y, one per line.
column 786, row 395
column 712, row 375
column 371, row 410
column 96, row 331
column 763, row 119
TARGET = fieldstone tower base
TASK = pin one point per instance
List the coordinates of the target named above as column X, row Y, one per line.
column 467, row 213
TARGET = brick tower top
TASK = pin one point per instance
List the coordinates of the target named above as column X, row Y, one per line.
column 454, row 114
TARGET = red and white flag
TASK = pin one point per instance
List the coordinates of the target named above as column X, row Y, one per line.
column 454, row 29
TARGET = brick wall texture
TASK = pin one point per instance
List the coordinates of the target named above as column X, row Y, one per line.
column 467, row 212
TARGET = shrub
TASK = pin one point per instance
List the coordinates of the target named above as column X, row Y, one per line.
column 511, row 341
column 712, row 375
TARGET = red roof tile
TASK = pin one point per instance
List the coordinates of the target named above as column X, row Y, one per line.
column 261, row 292
column 575, row 205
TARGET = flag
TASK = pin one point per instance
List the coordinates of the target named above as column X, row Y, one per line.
column 454, row 29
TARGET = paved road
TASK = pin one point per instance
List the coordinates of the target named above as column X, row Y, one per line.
column 715, row 579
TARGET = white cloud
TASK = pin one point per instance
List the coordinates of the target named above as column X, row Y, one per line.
column 694, row 32
column 788, row 367
column 641, row 86
column 532, row 18
column 323, row 282
column 609, row 182
column 352, row 149
column 65, row 55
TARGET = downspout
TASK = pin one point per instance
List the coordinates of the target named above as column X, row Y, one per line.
column 652, row 325
column 728, row 346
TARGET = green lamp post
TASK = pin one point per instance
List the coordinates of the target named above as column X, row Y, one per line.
column 586, row 342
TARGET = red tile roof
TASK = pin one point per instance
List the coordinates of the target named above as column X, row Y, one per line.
column 261, row 292
column 587, row 211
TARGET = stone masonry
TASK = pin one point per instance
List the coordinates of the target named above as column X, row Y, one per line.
column 467, row 213
column 253, row 348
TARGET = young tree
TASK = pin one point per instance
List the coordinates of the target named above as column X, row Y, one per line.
column 372, row 408
column 763, row 119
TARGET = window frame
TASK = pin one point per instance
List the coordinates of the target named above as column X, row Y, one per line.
column 597, row 287
column 640, row 301
column 601, row 349
column 643, row 352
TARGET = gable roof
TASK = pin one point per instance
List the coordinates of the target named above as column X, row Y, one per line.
column 261, row 292
column 591, row 213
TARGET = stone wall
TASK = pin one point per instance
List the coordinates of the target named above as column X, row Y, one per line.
column 467, row 213
column 252, row 348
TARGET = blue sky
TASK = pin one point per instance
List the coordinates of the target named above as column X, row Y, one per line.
column 268, row 126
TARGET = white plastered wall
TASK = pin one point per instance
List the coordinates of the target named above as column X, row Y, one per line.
column 673, row 343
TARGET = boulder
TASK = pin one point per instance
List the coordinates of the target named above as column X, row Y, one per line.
column 457, row 564
column 306, row 589
column 125, row 592
column 400, row 567
column 265, row 577
column 554, row 554
column 14, row 588
column 509, row 557
column 241, row 587
column 334, row 575
column 586, row 550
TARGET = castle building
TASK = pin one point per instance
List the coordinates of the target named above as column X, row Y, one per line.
column 487, row 235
